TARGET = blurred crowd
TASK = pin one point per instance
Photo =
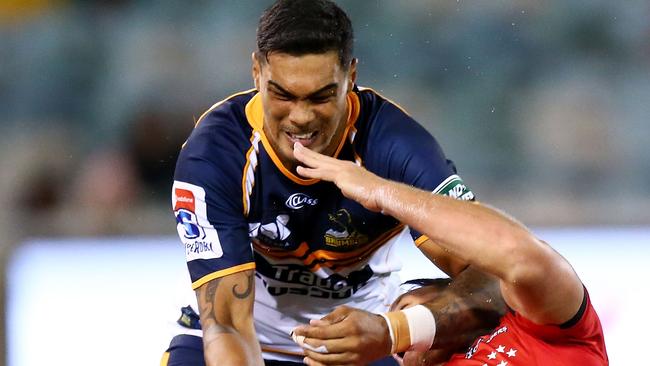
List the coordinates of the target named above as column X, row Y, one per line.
column 543, row 105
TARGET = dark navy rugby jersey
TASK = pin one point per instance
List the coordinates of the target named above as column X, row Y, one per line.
column 237, row 207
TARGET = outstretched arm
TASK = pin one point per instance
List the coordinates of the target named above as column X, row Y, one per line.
column 534, row 279
column 471, row 303
column 226, row 311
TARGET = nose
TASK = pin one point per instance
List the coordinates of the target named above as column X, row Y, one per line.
column 301, row 113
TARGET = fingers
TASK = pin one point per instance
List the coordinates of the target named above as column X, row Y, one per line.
column 319, row 322
column 335, row 351
column 317, row 359
column 308, row 157
column 300, row 154
column 315, row 160
column 337, row 315
column 309, row 362
column 308, row 172
column 316, row 165
column 327, row 332
column 301, row 341
column 329, row 346
column 328, row 352
column 329, row 321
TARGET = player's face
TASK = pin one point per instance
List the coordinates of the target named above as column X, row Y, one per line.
column 305, row 100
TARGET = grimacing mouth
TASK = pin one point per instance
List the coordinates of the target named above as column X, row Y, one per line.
column 302, row 136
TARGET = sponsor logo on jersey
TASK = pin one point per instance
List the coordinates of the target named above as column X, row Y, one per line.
column 299, row 200
column 472, row 350
column 187, row 220
column 454, row 187
column 343, row 234
column 185, row 216
column 197, row 234
column 291, row 279
column 184, row 199
column 198, row 247
column 274, row 234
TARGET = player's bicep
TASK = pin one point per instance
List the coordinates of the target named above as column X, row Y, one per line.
column 446, row 262
column 544, row 287
column 226, row 313
column 227, row 301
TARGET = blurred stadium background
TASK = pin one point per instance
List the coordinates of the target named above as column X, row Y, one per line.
column 543, row 105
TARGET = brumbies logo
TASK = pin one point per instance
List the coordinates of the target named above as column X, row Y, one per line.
column 199, row 236
column 299, row 200
column 344, row 234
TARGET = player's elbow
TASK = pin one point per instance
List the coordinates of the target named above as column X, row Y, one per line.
column 243, row 320
column 528, row 262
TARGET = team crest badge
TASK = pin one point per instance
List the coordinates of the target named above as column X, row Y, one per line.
column 344, row 234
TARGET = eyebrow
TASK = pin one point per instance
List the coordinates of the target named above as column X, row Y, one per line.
column 327, row 87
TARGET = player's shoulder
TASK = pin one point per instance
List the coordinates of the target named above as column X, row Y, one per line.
column 229, row 112
column 374, row 104
column 384, row 125
column 385, row 116
column 393, row 144
column 223, row 126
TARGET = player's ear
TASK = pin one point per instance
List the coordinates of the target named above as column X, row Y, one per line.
column 256, row 70
column 352, row 74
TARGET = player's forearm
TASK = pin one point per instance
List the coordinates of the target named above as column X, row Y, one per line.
column 226, row 311
column 225, row 346
column 471, row 305
column 535, row 280
column 475, row 233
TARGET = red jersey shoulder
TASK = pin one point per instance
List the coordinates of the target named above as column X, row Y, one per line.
column 518, row 341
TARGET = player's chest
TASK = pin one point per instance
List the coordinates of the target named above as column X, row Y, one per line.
column 284, row 215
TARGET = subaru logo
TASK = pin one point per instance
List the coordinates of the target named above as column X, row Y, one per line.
column 299, row 200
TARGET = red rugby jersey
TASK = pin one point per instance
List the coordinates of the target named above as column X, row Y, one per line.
column 519, row 341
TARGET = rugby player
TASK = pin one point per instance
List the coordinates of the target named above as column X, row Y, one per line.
column 550, row 321
column 267, row 249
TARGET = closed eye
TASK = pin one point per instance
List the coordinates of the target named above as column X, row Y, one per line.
column 283, row 96
column 320, row 99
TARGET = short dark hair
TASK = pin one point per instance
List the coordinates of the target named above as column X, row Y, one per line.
column 299, row 27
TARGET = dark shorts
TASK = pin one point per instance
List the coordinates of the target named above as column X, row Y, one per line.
column 187, row 350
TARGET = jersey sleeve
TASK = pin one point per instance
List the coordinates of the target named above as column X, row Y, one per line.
column 580, row 340
column 207, row 203
column 584, row 326
column 400, row 149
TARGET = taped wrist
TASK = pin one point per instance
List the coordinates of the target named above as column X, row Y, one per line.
column 411, row 329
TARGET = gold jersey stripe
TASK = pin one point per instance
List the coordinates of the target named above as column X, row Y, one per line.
column 419, row 241
column 224, row 272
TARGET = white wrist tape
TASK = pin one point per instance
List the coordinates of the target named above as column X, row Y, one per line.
column 411, row 329
column 300, row 340
column 390, row 331
column 422, row 327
